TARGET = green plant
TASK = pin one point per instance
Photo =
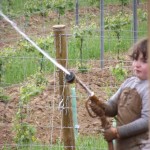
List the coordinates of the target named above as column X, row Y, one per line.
column 43, row 43
column 83, row 69
column 60, row 6
column 3, row 96
column 5, row 61
column 35, row 85
column 34, row 6
column 119, row 71
column 94, row 3
column 9, row 4
column 12, row 8
column 143, row 16
column 25, row 132
column 124, row 2
column 116, row 23
column 1, row 70
column 22, row 60
column 81, row 33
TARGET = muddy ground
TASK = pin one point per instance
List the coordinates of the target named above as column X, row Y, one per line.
column 43, row 110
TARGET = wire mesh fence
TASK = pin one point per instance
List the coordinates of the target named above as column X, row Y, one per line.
column 31, row 104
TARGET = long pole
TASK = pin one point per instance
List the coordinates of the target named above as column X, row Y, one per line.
column 77, row 12
column 102, row 33
column 135, row 20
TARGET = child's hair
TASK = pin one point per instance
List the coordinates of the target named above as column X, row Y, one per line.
column 140, row 47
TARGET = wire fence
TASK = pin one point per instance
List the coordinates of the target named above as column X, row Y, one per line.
column 31, row 104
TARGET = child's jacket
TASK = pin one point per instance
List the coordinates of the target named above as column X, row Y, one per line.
column 131, row 107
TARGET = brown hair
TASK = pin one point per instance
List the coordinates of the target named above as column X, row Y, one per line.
column 140, row 47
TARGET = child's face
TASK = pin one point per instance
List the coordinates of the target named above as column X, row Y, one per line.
column 140, row 67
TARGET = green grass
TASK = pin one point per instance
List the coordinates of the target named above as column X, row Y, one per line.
column 84, row 3
column 15, row 6
column 19, row 68
column 82, row 143
column 26, row 61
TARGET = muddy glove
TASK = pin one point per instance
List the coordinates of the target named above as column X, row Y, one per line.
column 98, row 106
column 110, row 134
column 98, row 110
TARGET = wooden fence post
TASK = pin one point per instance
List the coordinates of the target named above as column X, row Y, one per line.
column 61, row 56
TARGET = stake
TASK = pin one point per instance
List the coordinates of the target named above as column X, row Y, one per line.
column 67, row 120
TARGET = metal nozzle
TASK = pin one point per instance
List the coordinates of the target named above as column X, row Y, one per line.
column 70, row 77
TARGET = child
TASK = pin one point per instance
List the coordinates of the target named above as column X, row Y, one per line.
column 130, row 104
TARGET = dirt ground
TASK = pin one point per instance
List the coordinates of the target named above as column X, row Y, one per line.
column 44, row 112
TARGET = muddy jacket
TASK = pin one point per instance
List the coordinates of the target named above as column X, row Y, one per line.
column 130, row 105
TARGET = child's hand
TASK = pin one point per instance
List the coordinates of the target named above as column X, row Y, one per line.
column 110, row 134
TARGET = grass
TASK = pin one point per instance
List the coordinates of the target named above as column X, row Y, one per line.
column 15, row 6
column 82, row 143
column 84, row 3
column 17, row 68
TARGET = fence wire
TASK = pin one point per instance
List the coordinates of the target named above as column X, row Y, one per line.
column 30, row 103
